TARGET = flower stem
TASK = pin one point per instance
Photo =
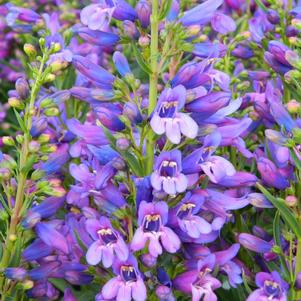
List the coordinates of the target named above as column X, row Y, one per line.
column 153, row 82
column 298, row 261
column 22, row 174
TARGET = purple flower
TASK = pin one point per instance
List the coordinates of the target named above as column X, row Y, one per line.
column 167, row 173
column 199, row 282
column 108, row 244
column 167, row 118
column 254, row 243
column 152, row 218
column 222, row 23
column 187, row 216
column 121, row 63
column 144, row 9
column 271, row 287
column 97, row 16
column 128, row 283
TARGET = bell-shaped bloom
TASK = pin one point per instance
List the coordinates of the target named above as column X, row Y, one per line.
column 167, row 174
column 201, row 14
column 108, row 115
column 199, row 282
column 209, row 49
column 91, row 134
column 271, row 175
column 46, row 209
column 121, row 63
column 108, row 243
column 215, row 167
column 43, row 289
column 93, row 72
column 48, row 233
column 187, row 216
column 21, row 14
column 15, row 273
column 97, row 16
column 222, row 23
column 152, row 218
column 128, row 283
column 254, row 243
column 56, row 160
column 36, row 250
column 96, row 37
column 168, row 119
column 270, row 287
column 144, row 10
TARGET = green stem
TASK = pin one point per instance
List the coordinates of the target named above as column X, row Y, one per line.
column 22, row 175
column 153, row 82
column 298, row 261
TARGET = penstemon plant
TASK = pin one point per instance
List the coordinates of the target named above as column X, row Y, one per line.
column 150, row 150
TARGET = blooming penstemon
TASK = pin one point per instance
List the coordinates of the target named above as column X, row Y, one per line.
column 150, row 150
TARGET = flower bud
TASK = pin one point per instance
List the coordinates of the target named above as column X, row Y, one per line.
column 27, row 284
column 130, row 29
column 4, row 174
column 298, row 281
column 291, row 201
column 30, row 50
column 34, row 146
column 58, row 65
column 20, row 139
column 144, row 9
column 131, row 111
column 37, row 174
column 193, row 30
column 49, row 78
column 12, row 237
column 44, row 138
column 8, row 141
column 293, row 106
column 52, row 112
column 148, row 260
column 296, row 23
column 42, row 42
column 16, row 103
column 273, row 16
column 144, row 41
column 122, row 143
column 163, row 292
column 22, row 88
column 118, row 163
column 46, row 102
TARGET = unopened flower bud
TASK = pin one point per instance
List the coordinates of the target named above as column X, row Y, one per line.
column 16, row 103
column 37, row 174
column 49, row 78
column 52, row 112
column 12, row 237
column 130, row 29
column 163, row 292
column 144, row 41
column 273, row 16
column 44, row 138
column 30, row 50
column 118, row 163
column 56, row 47
column 42, row 42
column 46, row 103
column 293, row 106
column 20, row 139
column 296, row 23
column 298, row 281
column 34, row 146
column 148, row 260
column 27, row 284
column 8, row 141
column 193, row 30
column 132, row 112
column 122, row 143
column 4, row 174
column 291, row 201
column 144, row 9
column 58, row 65
column 50, row 148
column 22, row 87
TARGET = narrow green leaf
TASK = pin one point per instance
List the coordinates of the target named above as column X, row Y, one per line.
column 140, row 59
column 295, row 159
column 277, row 235
column 285, row 212
column 20, row 121
column 30, row 162
column 261, row 5
column 165, row 9
column 60, row 284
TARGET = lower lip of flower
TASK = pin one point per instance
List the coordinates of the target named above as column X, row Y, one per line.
column 107, row 236
column 128, row 273
column 152, row 223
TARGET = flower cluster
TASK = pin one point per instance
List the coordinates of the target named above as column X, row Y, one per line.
column 150, row 150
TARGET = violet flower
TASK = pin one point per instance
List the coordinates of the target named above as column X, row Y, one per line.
column 271, row 287
column 127, row 284
column 108, row 244
column 152, row 218
column 168, row 119
column 167, row 174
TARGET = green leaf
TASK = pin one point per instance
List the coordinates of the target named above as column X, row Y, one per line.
column 277, row 235
column 21, row 122
column 285, row 212
column 30, row 162
column 60, row 284
column 140, row 59
column 295, row 159
column 261, row 5
column 165, row 9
